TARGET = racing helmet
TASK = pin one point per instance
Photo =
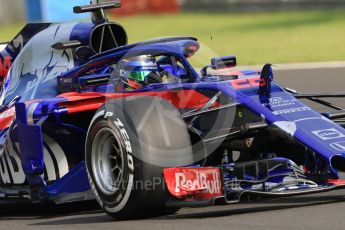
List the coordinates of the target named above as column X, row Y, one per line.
column 139, row 71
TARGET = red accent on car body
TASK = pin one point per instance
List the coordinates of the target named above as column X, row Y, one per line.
column 7, row 117
column 247, row 83
column 5, row 65
column 79, row 102
column 336, row 181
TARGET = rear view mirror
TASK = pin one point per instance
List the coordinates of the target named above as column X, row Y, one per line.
column 223, row 62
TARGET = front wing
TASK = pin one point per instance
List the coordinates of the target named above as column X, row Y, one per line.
column 225, row 184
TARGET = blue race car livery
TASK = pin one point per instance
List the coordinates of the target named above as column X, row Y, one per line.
column 86, row 116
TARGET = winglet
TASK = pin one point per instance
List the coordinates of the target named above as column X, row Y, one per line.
column 266, row 78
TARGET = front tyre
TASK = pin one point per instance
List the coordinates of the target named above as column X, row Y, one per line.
column 126, row 149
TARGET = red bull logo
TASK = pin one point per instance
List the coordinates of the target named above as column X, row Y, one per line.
column 199, row 182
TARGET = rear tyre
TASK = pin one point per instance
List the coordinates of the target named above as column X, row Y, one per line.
column 129, row 142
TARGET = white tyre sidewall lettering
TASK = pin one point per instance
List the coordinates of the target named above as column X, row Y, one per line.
column 125, row 197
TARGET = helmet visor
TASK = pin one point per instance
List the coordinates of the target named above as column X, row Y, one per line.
column 139, row 75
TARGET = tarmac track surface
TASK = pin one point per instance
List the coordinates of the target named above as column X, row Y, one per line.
column 317, row 211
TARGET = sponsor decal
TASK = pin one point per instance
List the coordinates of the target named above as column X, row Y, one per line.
column 201, row 183
column 149, row 66
column 328, row 134
column 339, row 146
column 275, row 102
column 248, row 83
column 276, row 99
column 293, row 110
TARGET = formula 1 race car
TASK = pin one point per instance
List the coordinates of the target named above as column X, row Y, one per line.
column 86, row 116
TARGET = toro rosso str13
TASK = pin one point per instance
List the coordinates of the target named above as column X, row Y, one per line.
column 86, row 116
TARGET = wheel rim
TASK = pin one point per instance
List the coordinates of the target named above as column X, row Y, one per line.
column 107, row 161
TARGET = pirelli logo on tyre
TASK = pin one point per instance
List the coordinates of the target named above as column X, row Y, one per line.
column 128, row 146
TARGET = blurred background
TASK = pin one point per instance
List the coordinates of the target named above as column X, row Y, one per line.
column 256, row 31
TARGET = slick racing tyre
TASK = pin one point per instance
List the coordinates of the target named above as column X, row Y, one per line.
column 128, row 144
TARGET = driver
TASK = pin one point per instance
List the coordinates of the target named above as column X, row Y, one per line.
column 137, row 72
